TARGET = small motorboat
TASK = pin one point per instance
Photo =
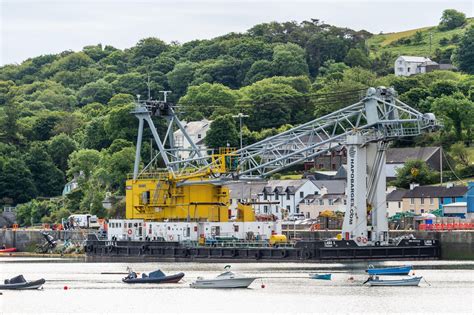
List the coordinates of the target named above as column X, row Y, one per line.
column 226, row 280
column 154, row 277
column 8, row 250
column 375, row 281
column 320, row 276
column 20, row 283
column 393, row 271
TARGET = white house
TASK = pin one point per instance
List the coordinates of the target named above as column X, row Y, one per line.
column 197, row 131
column 409, row 65
column 284, row 196
column 73, row 184
column 395, row 201
column 332, row 197
column 246, row 192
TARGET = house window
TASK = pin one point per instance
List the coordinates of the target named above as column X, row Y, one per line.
column 288, row 196
column 412, row 201
column 422, row 201
column 408, row 70
column 333, row 166
column 276, row 196
column 301, row 194
column 345, row 202
column 321, row 202
column 265, row 197
column 422, row 210
column 265, row 209
column 331, row 202
column 431, row 201
column 316, row 193
column 399, row 205
column 199, row 136
column 288, row 208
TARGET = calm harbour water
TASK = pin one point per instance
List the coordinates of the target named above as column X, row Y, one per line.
column 287, row 289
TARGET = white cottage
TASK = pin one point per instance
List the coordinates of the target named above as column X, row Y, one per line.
column 197, row 131
column 410, row 65
column 282, row 197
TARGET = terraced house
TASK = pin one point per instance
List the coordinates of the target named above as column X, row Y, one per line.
column 422, row 199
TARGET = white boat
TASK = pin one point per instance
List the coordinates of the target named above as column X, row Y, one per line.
column 226, row 280
column 376, row 281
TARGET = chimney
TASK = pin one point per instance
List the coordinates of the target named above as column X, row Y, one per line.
column 449, row 185
column 413, row 185
column 324, row 190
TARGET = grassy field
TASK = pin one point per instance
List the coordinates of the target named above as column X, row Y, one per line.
column 385, row 42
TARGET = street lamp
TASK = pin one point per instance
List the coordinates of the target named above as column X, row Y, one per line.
column 240, row 116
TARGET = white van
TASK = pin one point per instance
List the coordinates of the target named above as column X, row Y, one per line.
column 84, row 221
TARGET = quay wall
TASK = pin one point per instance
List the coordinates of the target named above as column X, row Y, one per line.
column 27, row 239
column 454, row 244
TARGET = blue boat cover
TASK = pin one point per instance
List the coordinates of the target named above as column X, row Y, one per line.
column 157, row 274
column 403, row 270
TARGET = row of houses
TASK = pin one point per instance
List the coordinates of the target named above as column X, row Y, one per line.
column 424, row 199
column 308, row 198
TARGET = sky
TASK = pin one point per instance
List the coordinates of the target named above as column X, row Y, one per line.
column 30, row 28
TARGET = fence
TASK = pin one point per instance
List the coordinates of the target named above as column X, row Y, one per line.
column 446, row 226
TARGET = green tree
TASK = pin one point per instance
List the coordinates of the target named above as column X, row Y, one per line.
column 270, row 104
column 451, row 19
column 259, row 70
column 84, row 160
column 415, row 171
column 131, row 83
column 205, row 98
column 99, row 91
column 48, row 179
column 44, row 125
column 356, row 58
column 16, row 181
column 443, row 88
column 121, row 99
column 118, row 165
column 181, row 76
column 460, row 154
column 289, row 60
column 95, row 135
column 148, row 48
column 222, row 132
column 457, row 112
column 418, row 37
column 121, row 124
column 225, row 70
column 465, row 52
column 59, row 148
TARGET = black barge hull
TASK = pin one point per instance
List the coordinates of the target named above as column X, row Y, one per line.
column 310, row 251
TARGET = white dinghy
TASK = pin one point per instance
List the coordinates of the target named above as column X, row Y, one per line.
column 226, row 280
